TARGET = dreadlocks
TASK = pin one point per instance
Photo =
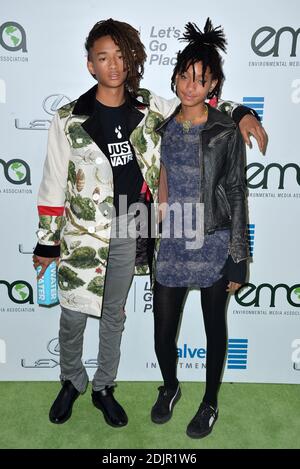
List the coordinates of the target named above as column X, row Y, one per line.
column 202, row 47
column 128, row 39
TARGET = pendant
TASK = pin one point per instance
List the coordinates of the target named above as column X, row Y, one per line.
column 186, row 125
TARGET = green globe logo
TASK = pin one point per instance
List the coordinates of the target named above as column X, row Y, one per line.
column 21, row 291
column 297, row 292
column 17, row 171
column 13, row 36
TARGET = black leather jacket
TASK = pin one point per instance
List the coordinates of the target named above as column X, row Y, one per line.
column 222, row 179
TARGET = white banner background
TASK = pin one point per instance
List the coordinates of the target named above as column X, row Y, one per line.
column 47, row 58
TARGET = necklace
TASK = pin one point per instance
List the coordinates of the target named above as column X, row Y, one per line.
column 188, row 124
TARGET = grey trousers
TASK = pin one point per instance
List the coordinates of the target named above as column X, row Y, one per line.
column 119, row 276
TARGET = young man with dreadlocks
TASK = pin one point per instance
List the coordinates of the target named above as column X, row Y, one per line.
column 102, row 148
column 203, row 157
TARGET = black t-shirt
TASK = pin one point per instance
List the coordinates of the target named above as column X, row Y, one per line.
column 127, row 175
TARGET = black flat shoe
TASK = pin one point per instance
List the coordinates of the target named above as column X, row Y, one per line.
column 113, row 412
column 61, row 409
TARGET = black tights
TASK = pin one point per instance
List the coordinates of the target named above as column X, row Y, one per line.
column 167, row 306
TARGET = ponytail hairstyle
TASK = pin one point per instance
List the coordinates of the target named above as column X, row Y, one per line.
column 202, row 47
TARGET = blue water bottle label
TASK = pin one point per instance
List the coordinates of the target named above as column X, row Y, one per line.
column 47, row 288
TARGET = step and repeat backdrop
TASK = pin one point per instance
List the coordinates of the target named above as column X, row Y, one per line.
column 42, row 67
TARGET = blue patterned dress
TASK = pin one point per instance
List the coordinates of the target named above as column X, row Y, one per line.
column 177, row 265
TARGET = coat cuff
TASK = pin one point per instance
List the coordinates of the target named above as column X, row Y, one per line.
column 43, row 250
column 241, row 111
column 235, row 271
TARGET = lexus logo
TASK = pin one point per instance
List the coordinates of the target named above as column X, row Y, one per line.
column 53, row 346
column 54, row 102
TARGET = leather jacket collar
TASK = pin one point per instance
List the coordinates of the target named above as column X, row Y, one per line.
column 215, row 118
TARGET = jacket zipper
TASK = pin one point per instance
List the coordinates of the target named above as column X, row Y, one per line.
column 218, row 137
column 201, row 163
column 201, row 151
column 222, row 192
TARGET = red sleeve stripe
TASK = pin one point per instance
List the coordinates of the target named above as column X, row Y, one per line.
column 52, row 211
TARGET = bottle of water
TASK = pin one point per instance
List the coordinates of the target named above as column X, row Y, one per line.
column 47, row 286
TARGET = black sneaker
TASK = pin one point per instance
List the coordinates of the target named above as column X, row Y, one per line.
column 163, row 408
column 202, row 424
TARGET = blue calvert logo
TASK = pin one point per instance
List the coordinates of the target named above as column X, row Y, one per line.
column 250, row 237
column 190, row 352
column 236, row 358
column 255, row 102
column 237, row 354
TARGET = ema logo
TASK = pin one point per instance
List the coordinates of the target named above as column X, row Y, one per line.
column 13, row 36
column 256, row 103
column 237, row 354
column 2, row 351
column 19, row 292
column 258, row 175
column 271, row 37
column 257, row 299
column 16, row 171
column 250, row 237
